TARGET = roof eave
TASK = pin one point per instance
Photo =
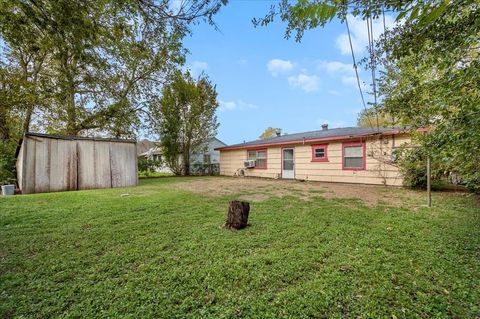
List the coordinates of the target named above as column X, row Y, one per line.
column 303, row 141
column 78, row 138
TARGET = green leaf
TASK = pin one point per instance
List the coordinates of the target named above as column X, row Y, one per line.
column 414, row 13
column 401, row 15
column 435, row 13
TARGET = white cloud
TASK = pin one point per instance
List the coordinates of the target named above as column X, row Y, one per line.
column 236, row 105
column 308, row 83
column 198, row 67
column 359, row 34
column 334, row 92
column 278, row 66
column 340, row 70
column 343, row 71
column 352, row 81
column 336, row 67
column 227, row 105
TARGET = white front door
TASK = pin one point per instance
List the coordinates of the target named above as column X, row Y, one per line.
column 288, row 163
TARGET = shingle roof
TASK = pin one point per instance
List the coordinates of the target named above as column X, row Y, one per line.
column 316, row 135
column 144, row 145
column 155, row 147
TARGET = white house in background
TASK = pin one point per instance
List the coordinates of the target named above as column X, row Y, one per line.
column 206, row 155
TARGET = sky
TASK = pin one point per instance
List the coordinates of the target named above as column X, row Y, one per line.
column 263, row 79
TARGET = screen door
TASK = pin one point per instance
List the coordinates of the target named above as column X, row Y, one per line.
column 288, row 164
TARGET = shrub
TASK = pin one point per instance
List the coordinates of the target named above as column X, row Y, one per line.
column 413, row 165
column 7, row 162
column 146, row 166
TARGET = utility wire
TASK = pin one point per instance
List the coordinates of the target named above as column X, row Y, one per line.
column 387, row 60
column 371, row 50
column 383, row 17
column 356, row 72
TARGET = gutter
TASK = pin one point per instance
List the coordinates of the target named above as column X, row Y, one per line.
column 78, row 138
column 307, row 141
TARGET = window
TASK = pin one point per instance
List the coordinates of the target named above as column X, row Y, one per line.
column 354, row 156
column 319, row 153
column 206, row 159
column 260, row 156
column 394, row 155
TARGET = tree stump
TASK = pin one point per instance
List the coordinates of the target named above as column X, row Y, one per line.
column 237, row 217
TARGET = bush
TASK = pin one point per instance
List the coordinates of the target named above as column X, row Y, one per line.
column 413, row 165
column 146, row 166
column 202, row 169
column 472, row 182
column 7, row 162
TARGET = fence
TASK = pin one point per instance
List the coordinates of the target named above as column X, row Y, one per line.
column 205, row 169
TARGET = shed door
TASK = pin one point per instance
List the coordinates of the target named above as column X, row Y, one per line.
column 288, row 163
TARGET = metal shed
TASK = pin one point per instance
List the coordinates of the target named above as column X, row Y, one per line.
column 54, row 163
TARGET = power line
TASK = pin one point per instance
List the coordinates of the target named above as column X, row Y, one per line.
column 356, row 71
column 383, row 18
column 387, row 60
column 371, row 50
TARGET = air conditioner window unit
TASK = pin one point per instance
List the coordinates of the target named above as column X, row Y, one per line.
column 249, row 164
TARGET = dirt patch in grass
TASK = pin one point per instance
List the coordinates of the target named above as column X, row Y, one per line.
column 258, row 189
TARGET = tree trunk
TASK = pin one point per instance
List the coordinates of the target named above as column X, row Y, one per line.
column 186, row 162
column 71, row 113
column 238, row 215
column 4, row 129
column 68, row 94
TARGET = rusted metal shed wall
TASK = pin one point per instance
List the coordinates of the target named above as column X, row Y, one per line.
column 94, row 169
column 55, row 163
column 63, row 165
column 121, row 155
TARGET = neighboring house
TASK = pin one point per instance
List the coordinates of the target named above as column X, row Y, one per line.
column 350, row 155
column 155, row 153
column 145, row 145
column 206, row 155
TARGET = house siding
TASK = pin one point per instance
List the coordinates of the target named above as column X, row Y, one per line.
column 210, row 150
column 377, row 170
column 195, row 158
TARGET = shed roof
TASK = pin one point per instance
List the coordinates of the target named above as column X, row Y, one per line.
column 157, row 148
column 73, row 138
column 320, row 135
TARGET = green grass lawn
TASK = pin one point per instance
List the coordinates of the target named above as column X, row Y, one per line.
column 160, row 253
column 154, row 174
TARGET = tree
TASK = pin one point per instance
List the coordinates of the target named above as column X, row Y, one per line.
column 13, row 106
column 372, row 118
column 186, row 118
column 89, row 67
column 103, row 60
column 8, row 131
column 310, row 14
column 436, row 84
column 270, row 132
